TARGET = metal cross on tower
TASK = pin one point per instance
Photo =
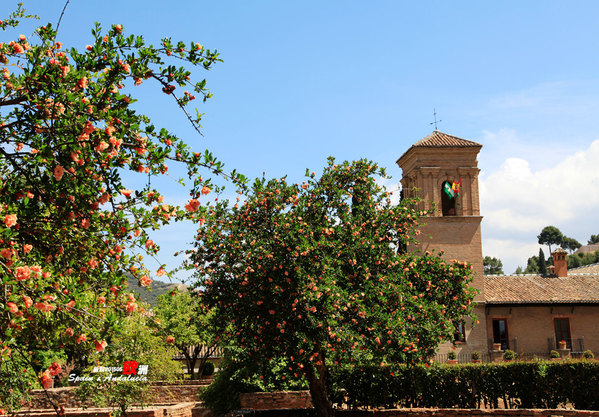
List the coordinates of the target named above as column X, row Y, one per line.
column 436, row 121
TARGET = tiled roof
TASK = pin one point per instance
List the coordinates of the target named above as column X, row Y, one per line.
column 536, row 289
column 587, row 269
column 439, row 139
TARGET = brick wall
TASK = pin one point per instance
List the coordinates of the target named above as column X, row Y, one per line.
column 467, row 413
column 427, row 413
column 531, row 326
column 160, row 394
column 273, row 400
column 189, row 409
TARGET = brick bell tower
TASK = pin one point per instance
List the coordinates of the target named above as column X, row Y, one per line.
column 430, row 167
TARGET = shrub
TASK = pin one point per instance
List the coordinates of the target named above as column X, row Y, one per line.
column 475, row 355
column 452, row 355
column 588, row 354
column 509, row 355
column 208, row 369
column 239, row 374
column 541, row 384
column 554, row 354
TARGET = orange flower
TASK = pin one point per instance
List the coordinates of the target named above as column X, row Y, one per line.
column 58, row 172
column 44, row 306
column 100, row 346
column 104, row 198
column 36, row 270
column 46, row 379
column 170, row 339
column 101, row 146
column 22, row 273
column 12, row 307
column 205, row 190
column 145, row 281
column 27, row 301
column 82, row 337
column 92, row 263
column 192, row 205
column 18, row 48
column 126, row 193
column 54, row 369
column 82, row 83
column 10, row 220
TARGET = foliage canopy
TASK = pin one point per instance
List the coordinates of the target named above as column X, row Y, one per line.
column 71, row 224
column 311, row 272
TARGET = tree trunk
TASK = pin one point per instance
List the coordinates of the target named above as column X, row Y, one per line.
column 190, row 360
column 318, row 389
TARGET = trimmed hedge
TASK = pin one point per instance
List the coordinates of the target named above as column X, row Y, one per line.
column 515, row 384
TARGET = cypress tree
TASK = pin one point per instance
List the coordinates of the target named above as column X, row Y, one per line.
column 542, row 263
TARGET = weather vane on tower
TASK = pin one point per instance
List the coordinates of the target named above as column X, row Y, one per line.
column 436, row 121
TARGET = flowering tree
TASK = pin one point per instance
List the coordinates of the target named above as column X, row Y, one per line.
column 188, row 326
column 70, row 227
column 312, row 273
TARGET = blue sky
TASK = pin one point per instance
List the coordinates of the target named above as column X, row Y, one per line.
column 304, row 80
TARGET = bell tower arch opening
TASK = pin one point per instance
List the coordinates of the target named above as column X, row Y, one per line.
column 448, row 199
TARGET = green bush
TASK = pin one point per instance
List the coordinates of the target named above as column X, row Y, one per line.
column 452, row 355
column 588, row 354
column 223, row 394
column 538, row 384
column 242, row 375
column 554, row 354
column 475, row 355
column 509, row 355
column 208, row 369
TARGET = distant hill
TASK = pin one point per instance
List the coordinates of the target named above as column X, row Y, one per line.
column 157, row 288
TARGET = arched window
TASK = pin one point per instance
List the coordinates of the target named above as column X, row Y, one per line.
column 447, row 199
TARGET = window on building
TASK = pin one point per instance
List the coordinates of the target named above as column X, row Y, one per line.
column 500, row 334
column 460, row 333
column 447, row 202
column 562, row 331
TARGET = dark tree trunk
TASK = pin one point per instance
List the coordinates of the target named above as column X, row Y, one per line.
column 318, row 389
column 190, row 360
column 208, row 352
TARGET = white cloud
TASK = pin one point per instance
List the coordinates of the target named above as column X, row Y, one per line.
column 518, row 201
column 392, row 187
column 510, row 252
